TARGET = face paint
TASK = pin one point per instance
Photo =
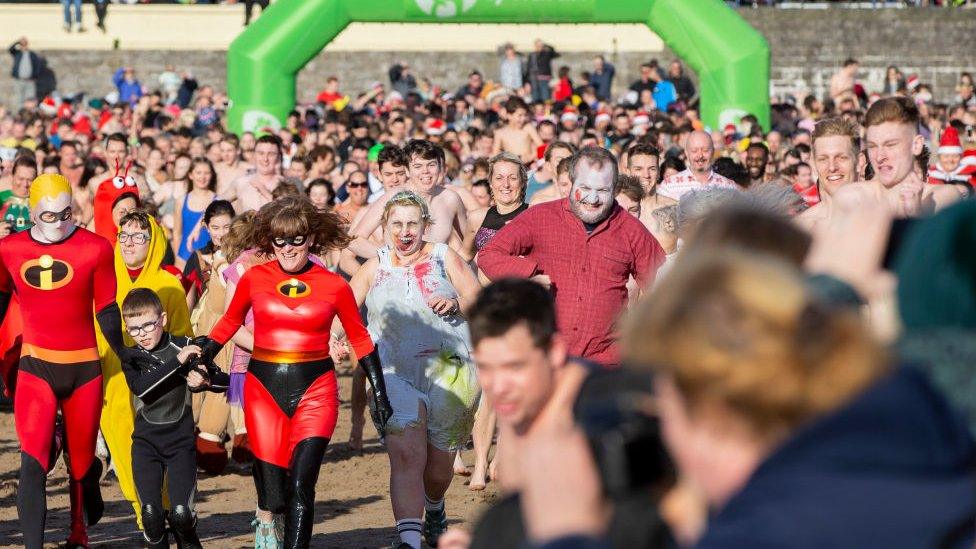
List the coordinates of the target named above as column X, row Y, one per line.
column 592, row 196
column 48, row 217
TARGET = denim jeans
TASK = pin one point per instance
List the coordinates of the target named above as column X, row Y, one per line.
column 66, row 4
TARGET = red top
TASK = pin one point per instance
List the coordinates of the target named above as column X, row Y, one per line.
column 293, row 313
column 57, row 284
column 589, row 272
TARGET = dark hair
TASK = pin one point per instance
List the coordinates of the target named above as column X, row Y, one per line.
column 558, row 145
column 762, row 146
column 51, row 161
column 141, row 300
column 482, row 183
column 642, row 149
column 320, row 182
column 212, row 184
column 564, row 165
column 671, row 162
column 24, row 162
column 217, row 208
column 630, row 187
column 69, row 143
column 508, row 302
column 426, row 150
column 138, row 216
column 515, row 103
column 93, row 165
column 118, row 137
column 598, row 157
column 272, row 139
column 321, row 151
column 730, row 169
column 393, row 155
column 850, row 61
column 232, row 139
column 754, row 230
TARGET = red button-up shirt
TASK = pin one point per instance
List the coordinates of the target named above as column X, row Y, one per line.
column 589, row 272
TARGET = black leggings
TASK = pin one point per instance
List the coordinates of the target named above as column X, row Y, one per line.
column 164, row 451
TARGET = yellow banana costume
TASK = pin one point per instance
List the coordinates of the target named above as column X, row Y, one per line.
column 118, row 414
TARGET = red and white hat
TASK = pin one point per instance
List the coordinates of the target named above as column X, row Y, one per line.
column 569, row 115
column 435, row 127
column 602, row 116
column 949, row 143
column 912, row 81
column 49, row 106
column 641, row 119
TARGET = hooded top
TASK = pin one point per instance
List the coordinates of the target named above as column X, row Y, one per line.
column 894, row 468
column 157, row 279
column 108, row 193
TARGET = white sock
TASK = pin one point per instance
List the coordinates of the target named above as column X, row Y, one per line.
column 431, row 505
column 409, row 530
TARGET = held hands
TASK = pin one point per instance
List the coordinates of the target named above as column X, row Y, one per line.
column 195, row 380
column 188, row 351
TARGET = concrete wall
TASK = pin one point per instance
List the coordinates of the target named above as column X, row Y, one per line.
column 807, row 47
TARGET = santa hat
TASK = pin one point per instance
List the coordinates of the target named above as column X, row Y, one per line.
column 569, row 115
column 602, row 116
column 435, row 127
column 912, row 81
column 641, row 119
column 949, row 143
column 49, row 106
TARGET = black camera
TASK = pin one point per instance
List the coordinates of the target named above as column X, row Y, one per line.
column 612, row 409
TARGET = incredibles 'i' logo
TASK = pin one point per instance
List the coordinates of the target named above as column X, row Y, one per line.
column 46, row 273
column 293, row 288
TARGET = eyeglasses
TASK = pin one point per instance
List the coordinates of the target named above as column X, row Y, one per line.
column 146, row 328
column 281, row 242
column 52, row 217
column 136, row 238
column 357, row 185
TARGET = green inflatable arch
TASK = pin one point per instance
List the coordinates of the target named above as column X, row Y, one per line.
column 729, row 56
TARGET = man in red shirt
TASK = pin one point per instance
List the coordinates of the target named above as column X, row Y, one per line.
column 584, row 248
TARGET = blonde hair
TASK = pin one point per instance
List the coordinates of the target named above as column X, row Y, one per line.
column 407, row 199
column 840, row 127
column 740, row 330
column 48, row 185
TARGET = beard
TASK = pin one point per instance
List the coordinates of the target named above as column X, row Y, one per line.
column 586, row 215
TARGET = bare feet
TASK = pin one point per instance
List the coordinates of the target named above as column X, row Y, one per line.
column 479, row 478
column 459, row 467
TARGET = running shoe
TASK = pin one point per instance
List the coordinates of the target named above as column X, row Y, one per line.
column 435, row 523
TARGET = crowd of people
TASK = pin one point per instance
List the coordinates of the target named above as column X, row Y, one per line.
column 521, row 258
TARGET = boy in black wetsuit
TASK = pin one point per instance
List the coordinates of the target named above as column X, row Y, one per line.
column 163, row 438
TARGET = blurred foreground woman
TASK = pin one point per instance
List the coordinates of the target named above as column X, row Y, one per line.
column 790, row 420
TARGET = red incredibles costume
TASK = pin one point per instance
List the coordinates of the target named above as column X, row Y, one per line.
column 60, row 275
column 109, row 192
column 290, row 393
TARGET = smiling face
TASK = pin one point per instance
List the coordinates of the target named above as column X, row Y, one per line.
column 425, row 174
column 358, row 188
column 699, row 153
column 591, row 196
column 319, row 196
column 480, row 194
column 892, row 147
column 506, row 185
column 123, row 206
column 218, row 227
column 392, row 176
column 266, row 158
column 950, row 162
column 201, row 176
column 290, row 256
column 404, row 230
column 135, row 249
column 836, row 161
column 644, row 167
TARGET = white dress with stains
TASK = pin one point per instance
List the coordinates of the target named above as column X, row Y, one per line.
column 426, row 358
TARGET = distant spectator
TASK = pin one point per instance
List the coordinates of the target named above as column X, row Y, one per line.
column 130, row 89
column 249, row 8
column 330, row 93
column 472, row 89
column 540, row 70
column 682, row 84
column 402, row 80
column 662, row 90
column 66, row 5
column 511, row 68
column 26, row 68
column 101, row 10
column 169, row 84
column 564, row 86
column 602, row 77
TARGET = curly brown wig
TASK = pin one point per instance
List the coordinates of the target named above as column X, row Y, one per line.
column 292, row 216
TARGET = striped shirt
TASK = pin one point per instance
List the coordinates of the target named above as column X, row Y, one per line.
column 677, row 185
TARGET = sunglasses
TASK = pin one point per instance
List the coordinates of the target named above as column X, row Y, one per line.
column 52, row 217
column 357, row 185
column 146, row 328
column 280, row 242
column 136, row 238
